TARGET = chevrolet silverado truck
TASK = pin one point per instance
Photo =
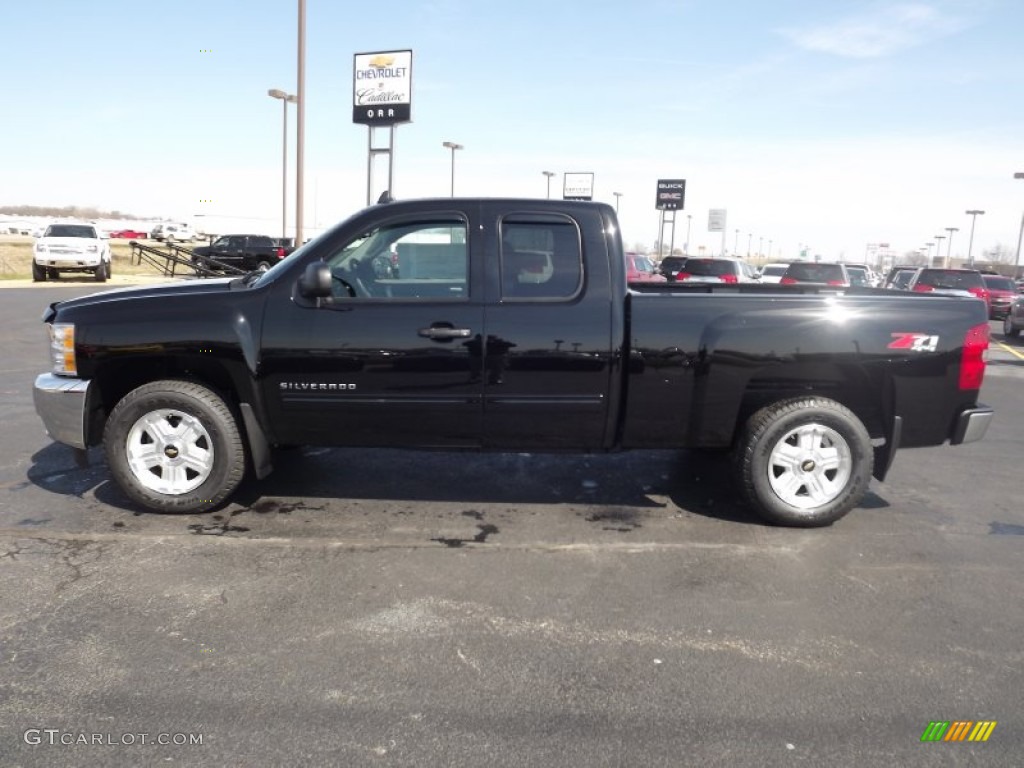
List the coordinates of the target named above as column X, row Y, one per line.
column 245, row 252
column 71, row 248
column 507, row 325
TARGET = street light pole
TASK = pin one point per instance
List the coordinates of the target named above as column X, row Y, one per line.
column 549, row 174
column 1016, row 262
column 686, row 249
column 286, row 98
column 736, row 243
column 970, row 243
column 750, row 239
column 452, row 146
column 617, row 196
column 300, row 123
column 938, row 246
column 949, row 245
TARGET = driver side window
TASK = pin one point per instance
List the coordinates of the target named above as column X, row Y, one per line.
column 418, row 259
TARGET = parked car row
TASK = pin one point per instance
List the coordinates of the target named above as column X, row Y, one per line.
column 997, row 291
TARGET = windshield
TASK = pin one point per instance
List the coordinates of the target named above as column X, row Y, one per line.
column 858, row 276
column 710, row 267
column 642, row 263
column 999, row 283
column 774, row 270
column 815, row 273
column 950, row 278
column 70, row 230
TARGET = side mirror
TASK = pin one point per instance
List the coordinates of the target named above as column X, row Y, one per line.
column 315, row 282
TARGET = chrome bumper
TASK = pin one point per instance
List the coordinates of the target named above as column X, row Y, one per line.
column 971, row 425
column 61, row 404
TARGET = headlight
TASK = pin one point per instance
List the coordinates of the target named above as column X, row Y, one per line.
column 40, row 248
column 62, row 348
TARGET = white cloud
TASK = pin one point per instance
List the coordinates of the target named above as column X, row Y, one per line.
column 882, row 31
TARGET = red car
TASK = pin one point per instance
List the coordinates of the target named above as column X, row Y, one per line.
column 129, row 234
column 1001, row 293
column 640, row 269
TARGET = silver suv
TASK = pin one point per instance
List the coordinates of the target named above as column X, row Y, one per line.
column 723, row 270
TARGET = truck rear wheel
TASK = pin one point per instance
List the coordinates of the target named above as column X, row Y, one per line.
column 804, row 462
column 38, row 273
column 174, row 446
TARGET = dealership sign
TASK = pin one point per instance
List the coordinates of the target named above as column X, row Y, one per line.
column 670, row 194
column 716, row 220
column 578, row 186
column 382, row 88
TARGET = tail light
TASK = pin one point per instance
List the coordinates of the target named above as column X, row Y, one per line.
column 683, row 276
column 788, row 281
column 972, row 359
column 835, row 282
column 923, row 288
column 728, row 278
column 280, row 253
column 981, row 293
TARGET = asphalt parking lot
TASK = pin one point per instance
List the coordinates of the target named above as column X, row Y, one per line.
column 418, row 609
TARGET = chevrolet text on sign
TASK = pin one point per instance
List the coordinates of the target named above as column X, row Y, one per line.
column 382, row 88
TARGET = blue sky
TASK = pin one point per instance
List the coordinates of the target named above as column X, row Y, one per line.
column 831, row 124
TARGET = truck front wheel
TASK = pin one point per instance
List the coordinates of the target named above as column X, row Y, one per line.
column 804, row 462
column 174, row 446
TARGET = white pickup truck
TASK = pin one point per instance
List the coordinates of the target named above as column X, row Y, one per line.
column 71, row 248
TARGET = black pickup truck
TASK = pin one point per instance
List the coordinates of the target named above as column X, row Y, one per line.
column 242, row 252
column 507, row 325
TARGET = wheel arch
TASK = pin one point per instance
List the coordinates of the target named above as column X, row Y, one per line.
column 113, row 381
column 726, row 400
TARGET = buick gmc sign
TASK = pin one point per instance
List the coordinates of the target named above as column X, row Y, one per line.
column 670, row 194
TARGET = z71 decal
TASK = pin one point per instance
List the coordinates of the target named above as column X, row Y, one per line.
column 915, row 342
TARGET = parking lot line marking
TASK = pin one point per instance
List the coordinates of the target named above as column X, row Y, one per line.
column 1011, row 350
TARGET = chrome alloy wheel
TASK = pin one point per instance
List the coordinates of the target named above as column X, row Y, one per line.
column 169, row 451
column 810, row 466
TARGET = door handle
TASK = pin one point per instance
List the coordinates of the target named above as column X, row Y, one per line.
column 443, row 333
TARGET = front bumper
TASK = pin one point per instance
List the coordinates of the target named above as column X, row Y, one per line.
column 971, row 424
column 61, row 403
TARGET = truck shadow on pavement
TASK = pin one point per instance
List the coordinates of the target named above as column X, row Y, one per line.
column 630, row 484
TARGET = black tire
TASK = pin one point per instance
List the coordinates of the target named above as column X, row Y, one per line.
column 100, row 273
column 188, row 419
column 1009, row 331
column 263, row 266
column 795, row 483
column 38, row 273
column 52, row 273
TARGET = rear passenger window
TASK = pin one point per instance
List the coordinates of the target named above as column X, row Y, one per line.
column 541, row 257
